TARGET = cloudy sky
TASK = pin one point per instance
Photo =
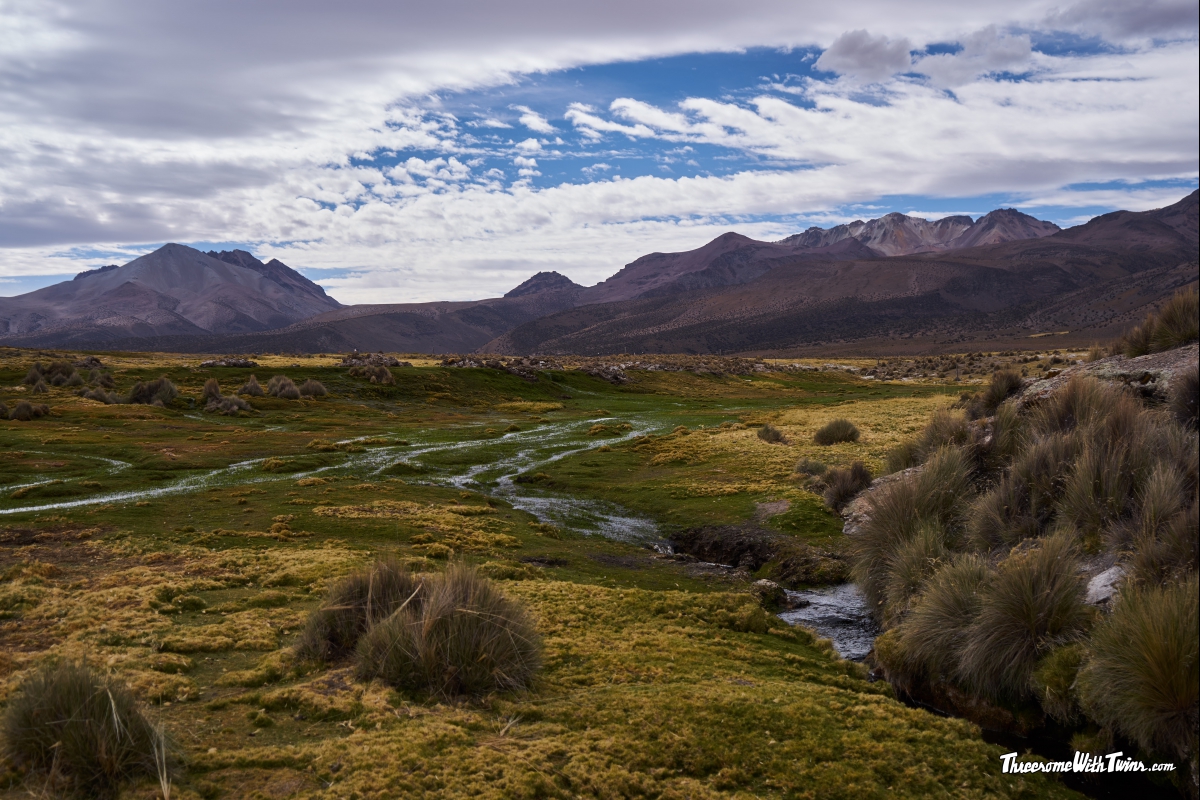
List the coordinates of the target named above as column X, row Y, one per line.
column 402, row 152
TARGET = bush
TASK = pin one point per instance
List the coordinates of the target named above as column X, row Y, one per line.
column 352, row 606
column 81, row 733
column 102, row 396
column 40, row 387
column 34, row 374
column 212, row 391
column 1031, row 604
column 282, row 387
column 838, row 430
column 1004, row 384
column 377, row 373
column 74, row 380
column 229, row 406
column 808, row 466
column 1167, row 553
column 252, row 388
column 311, row 388
column 843, row 485
column 1185, row 389
column 101, row 379
column 158, row 392
column 772, row 435
column 1142, row 676
column 25, row 411
column 466, row 638
column 1175, row 324
column 904, row 455
column 935, row 631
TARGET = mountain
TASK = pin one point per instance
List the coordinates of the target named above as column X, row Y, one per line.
column 174, row 291
column 1090, row 280
column 901, row 235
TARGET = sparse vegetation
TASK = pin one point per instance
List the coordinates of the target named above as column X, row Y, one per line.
column 81, row 734
column 836, row 432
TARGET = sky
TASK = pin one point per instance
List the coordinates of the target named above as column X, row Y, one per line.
column 396, row 153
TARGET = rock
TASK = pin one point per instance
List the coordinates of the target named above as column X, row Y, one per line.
column 89, row 362
column 770, row 594
column 1102, row 587
column 1148, row 375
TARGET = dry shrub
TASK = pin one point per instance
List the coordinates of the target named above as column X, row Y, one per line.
column 211, row 391
column 81, row 733
column 935, row 631
column 100, row 395
column 282, row 387
column 936, row 494
column 809, row 466
column 158, row 392
column 1185, row 390
column 312, row 388
column 25, row 411
column 377, row 373
column 843, row 485
column 1031, row 604
column 352, row 606
column 1142, row 677
column 251, row 388
column 772, row 435
column 229, row 406
column 836, row 431
column 1095, row 353
column 34, row 374
column 40, row 387
column 101, row 379
column 464, row 637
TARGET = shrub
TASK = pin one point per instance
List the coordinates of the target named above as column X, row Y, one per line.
column 40, row 387
column 934, row 632
column 211, row 391
column 466, row 638
column 251, row 388
column 1004, row 384
column 101, row 379
column 835, row 431
column 158, row 392
column 944, row 428
column 74, row 380
column 843, row 485
column 311, row 388
column 25, row 411
column 82, row 733
column 808, row 466
column 772, row 435
column 34, row 374
column 282, row 387
column 1142, row 676
column 1095, row 353
column 1031, row 604
column 377, row 373
column 102, row 396
column 352, row 606
column 1175, row 324
column 937, row 494
column 229, row 406
column 1185, row 389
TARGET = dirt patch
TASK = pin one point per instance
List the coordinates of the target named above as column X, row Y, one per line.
column 764, row 511
column 624, row 562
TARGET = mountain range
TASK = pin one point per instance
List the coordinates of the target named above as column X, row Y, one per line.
column 896, row 282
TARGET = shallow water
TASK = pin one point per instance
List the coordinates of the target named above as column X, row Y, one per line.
column 839, row 613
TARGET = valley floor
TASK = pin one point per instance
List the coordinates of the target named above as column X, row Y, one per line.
column 182, row 551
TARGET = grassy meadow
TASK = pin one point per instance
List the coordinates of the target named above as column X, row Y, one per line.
column 181, row 551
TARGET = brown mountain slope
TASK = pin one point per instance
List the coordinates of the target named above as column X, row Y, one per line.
column 173, row 291
column 979, row 292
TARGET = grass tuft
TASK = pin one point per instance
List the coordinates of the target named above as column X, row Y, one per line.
column 843, row 485
column 1185, row 392
column 771, row 435
column 282, row 387
column 158, row 392
column 251, row 388
column 83, row 734
column 835, row 432
column 313, row 388
column 464, row 638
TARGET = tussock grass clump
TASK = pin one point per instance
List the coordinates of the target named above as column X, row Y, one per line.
column 809, row 466
column 376, row 373
column 352, row 606
column 463, row 638
column 1185, row 391
column 1168, row 552
column 1031, row 604
column 100, row 395
column 1004, row 384
column 935, row 632
column 1142, row 677
column 843, row 485
column 158, row 392
column 25, row 411
column 40, row 387
column 282, row 387
column 211, row 391
column 772, row 435
column 81, row 733
column 229, row 406
column 1175, row 324
column 945, row 428
column 251, row 388
column 313, row 388
column 101, row 380
column 835, row 432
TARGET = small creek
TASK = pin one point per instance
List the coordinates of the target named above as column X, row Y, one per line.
column 838, row 613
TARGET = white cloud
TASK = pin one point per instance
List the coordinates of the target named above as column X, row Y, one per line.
column 521, row 161
column 534, row 121
column 529, row 146
column 868, row 58
column 983, row 52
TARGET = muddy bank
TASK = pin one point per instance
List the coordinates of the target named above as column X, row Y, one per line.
column 782, row 558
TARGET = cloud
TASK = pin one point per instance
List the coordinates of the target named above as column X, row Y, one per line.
column 984, row 52
column 534, row 121
column 868, row 58
column 1121, row 19
column 521, row 161
column 529, row 146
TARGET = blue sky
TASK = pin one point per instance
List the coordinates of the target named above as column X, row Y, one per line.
column 400, row 158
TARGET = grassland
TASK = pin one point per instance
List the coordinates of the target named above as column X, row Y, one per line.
column 182, row 551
